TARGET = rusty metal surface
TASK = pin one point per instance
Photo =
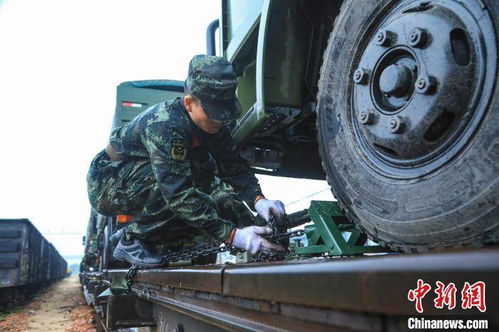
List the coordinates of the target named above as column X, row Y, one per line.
column 371, row 284
column 26, row 257
column 13, row 263
column 218, row 313
column 128, row 311
column 377, row 285
column 203, row 278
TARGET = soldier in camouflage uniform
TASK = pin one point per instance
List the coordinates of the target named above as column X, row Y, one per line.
column 176, row 170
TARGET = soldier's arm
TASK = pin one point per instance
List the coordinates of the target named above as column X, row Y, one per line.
column 234, row 169
column 168, row 149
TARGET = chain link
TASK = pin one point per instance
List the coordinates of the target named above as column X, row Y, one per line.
column 292, row 220
column 129, row 277
column 277, row 256
column 218, row 247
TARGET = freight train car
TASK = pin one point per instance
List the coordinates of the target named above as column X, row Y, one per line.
column 28, row 262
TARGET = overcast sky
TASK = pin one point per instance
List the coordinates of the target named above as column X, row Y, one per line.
column 60, row 63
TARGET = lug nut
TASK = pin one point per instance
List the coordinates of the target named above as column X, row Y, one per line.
column 384, row 38
column 366, row 117
column 396, row 125
column 425, row 84
column 360, row 76
column 417, row 37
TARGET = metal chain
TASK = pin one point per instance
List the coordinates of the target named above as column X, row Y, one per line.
column 215, row 248
column 198, row 251
column 129, row 277
column 218, row 247
column 287, row 235
column 277, row 256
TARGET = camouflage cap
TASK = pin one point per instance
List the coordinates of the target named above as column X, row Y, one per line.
column 213, row 81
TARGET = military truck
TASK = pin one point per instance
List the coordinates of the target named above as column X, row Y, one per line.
column 394, row 102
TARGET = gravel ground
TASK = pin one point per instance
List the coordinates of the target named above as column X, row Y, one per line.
column 60, row 308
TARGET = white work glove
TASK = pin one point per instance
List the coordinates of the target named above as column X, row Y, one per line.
column 265, row 207
column 250, row 239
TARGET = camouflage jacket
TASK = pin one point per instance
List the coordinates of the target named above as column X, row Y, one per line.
column 186, row 160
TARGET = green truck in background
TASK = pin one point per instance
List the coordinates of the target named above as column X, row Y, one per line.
column 132, row 98
column 394, row 102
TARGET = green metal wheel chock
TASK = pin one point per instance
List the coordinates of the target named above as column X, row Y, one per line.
column 326, row 235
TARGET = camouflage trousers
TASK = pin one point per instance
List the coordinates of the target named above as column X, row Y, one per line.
column 130, row 187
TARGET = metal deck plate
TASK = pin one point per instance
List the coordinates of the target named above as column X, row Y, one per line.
column 376, row 284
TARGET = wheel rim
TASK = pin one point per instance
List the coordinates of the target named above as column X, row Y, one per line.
column 421, row 85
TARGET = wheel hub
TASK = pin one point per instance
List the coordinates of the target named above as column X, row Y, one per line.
column 418, row 83
column 395, row 80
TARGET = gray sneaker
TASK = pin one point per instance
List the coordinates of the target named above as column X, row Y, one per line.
column 116, row 237
column 136, row 254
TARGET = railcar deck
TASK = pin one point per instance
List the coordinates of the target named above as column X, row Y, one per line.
column 366, row 293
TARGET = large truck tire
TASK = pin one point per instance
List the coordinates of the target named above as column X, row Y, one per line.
column 408, row 118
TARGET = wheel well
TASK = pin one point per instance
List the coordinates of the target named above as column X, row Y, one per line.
column 296, row 39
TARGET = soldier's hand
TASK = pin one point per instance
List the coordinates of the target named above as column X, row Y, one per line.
column 251, row 239
column 266, row 207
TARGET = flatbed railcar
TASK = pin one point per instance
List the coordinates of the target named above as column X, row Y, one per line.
column 338, row 283
column 316, row 292
column 28, row 262
column 316, row 83
column 323, row 294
